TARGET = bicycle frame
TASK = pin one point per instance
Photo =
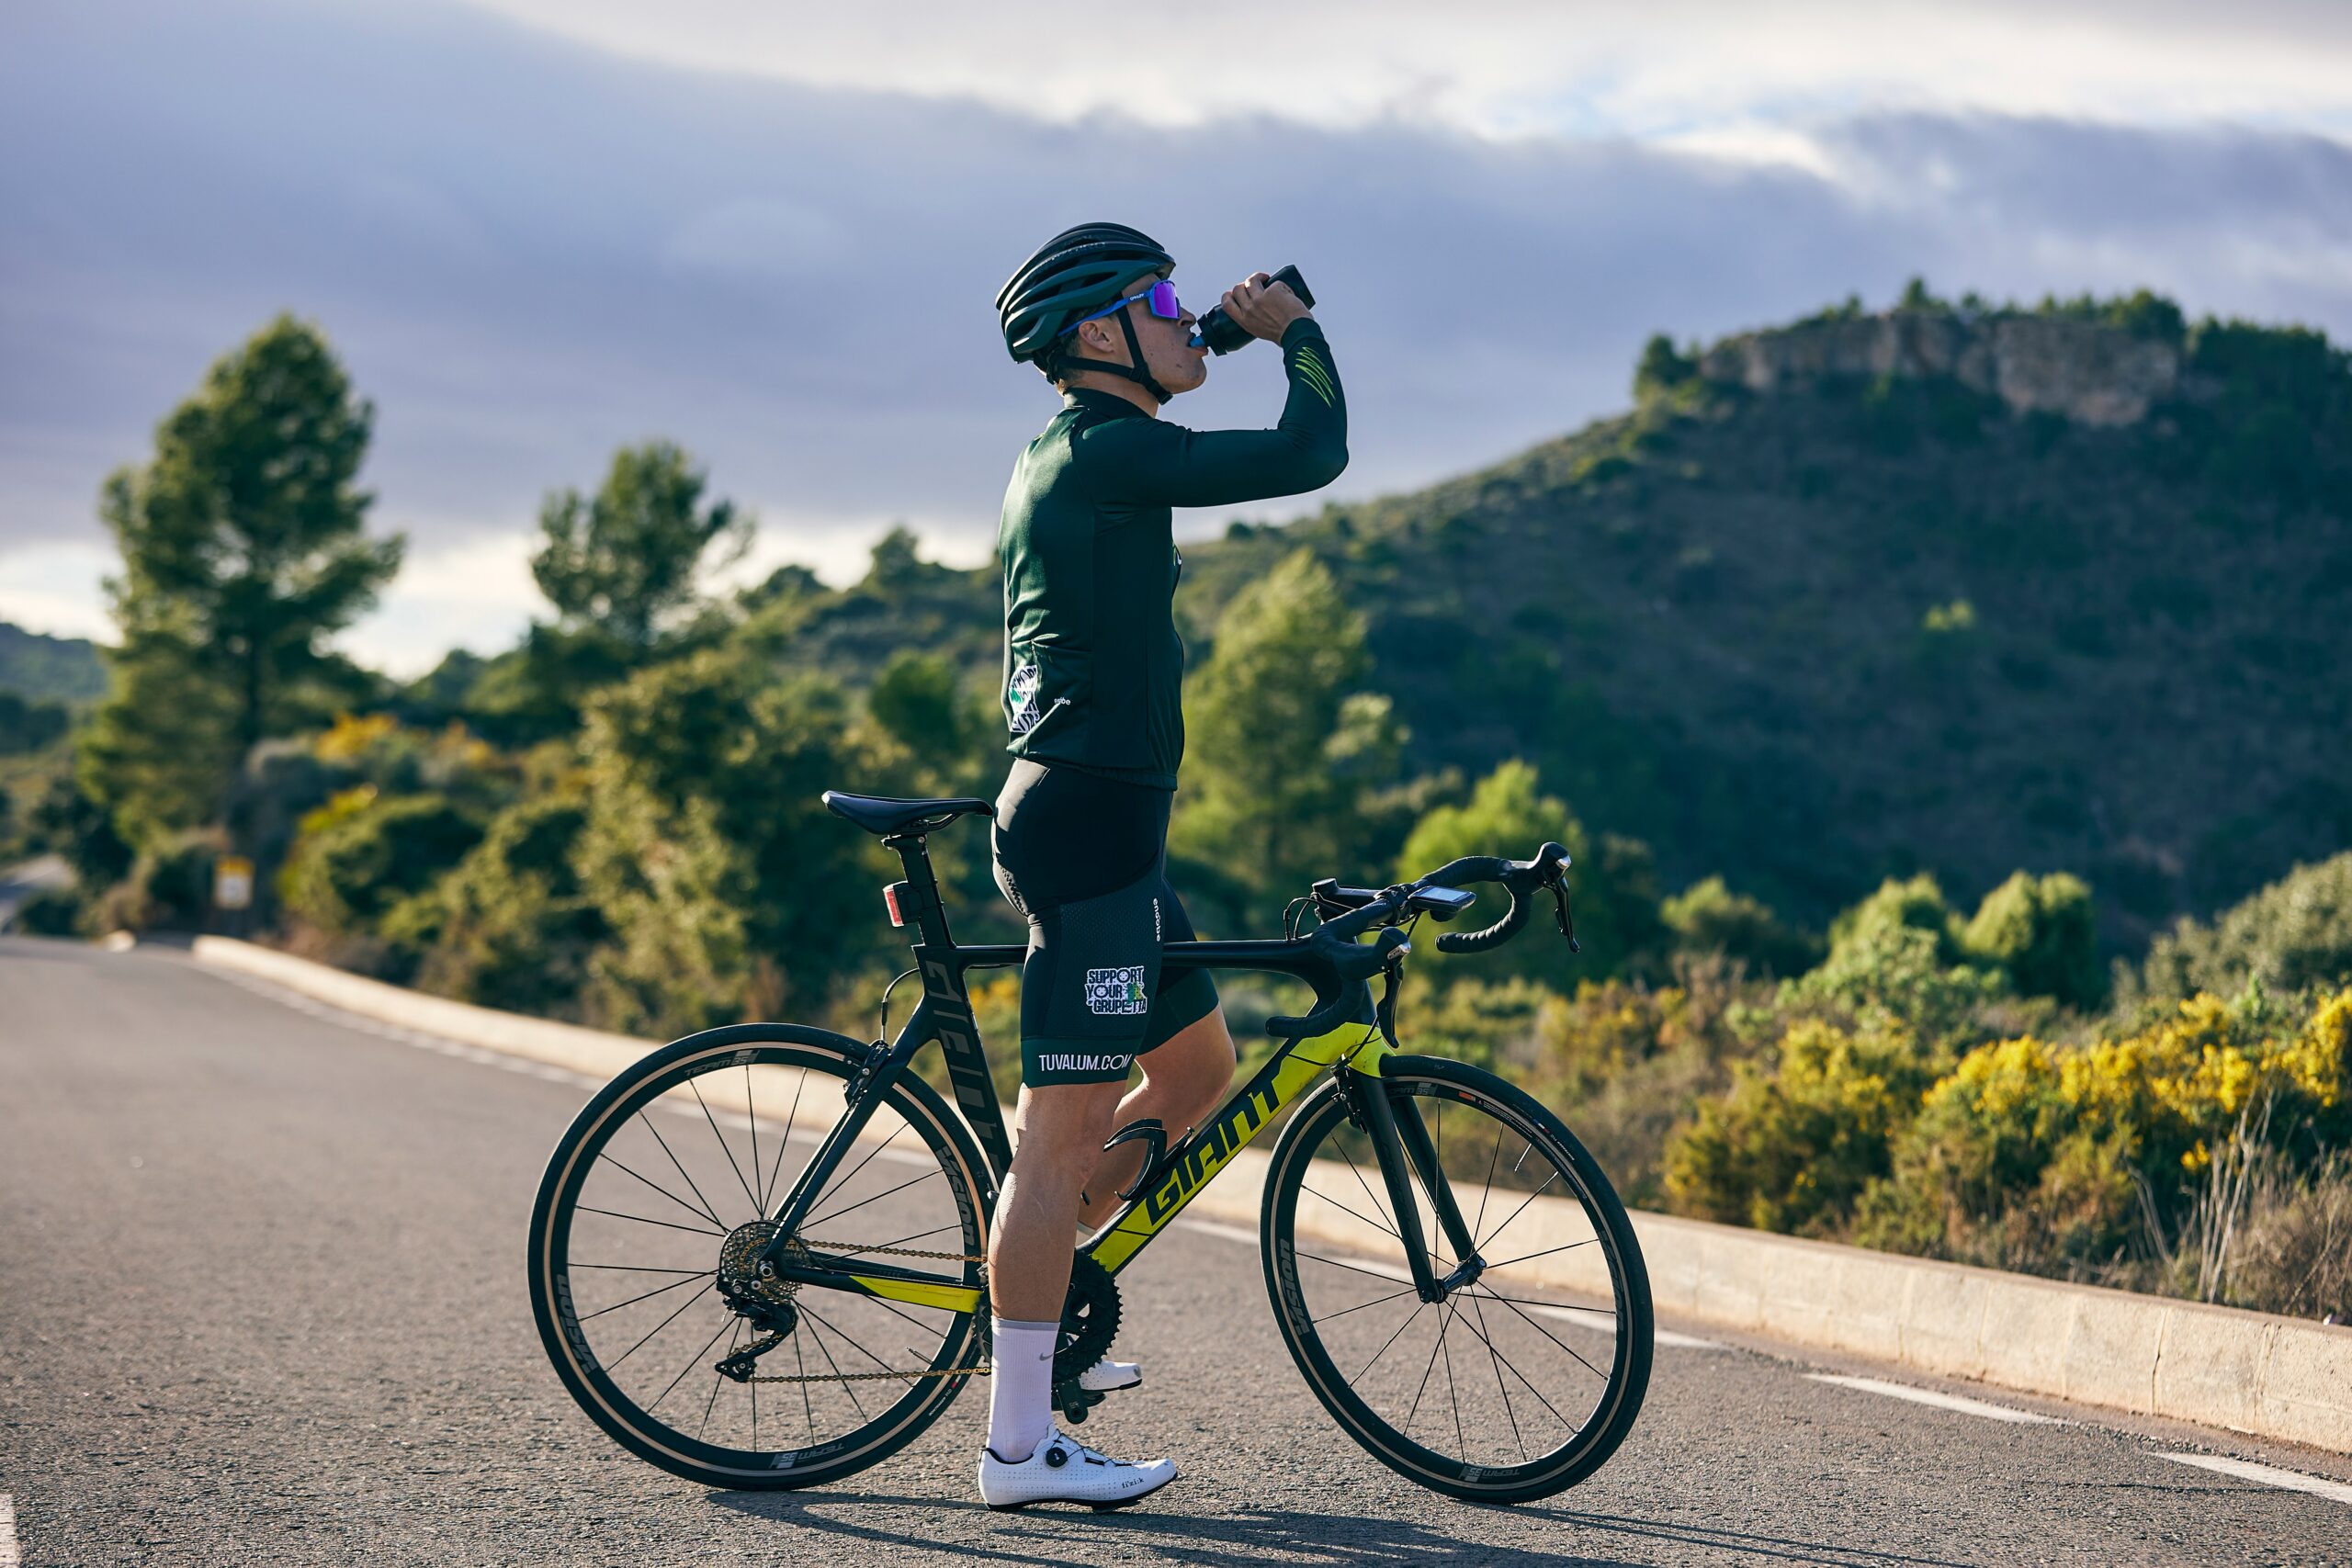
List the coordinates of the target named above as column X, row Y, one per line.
column 944, row 1014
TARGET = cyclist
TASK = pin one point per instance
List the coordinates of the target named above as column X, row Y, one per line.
column 1094, row 673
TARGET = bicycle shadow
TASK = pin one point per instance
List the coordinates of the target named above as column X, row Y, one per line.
column 1255, row 1534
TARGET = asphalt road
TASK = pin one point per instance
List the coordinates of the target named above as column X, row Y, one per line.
column 261, row 1300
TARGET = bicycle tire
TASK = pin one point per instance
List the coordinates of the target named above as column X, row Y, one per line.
column 756, row 1045
column 1621, row 1401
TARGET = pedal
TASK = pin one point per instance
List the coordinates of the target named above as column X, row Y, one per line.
column 1074, row 1401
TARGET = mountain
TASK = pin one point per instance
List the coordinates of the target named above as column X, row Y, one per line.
column 50, row 669
column 1945, row 587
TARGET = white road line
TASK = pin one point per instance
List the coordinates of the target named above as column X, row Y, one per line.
column 1940, row 1401
column 2286, row 1480
column 1581, row 1316
column 8, row 1555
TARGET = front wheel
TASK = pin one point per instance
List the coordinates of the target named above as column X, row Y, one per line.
column 1521, row 1382
column 654, row 1202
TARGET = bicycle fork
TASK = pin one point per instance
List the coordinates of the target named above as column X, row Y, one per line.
column 1400, row 1141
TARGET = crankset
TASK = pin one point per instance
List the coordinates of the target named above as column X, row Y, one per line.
column 1090, row 1325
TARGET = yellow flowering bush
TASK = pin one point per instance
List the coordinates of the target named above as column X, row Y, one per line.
column 1794, row 1146
column 2031, row 1155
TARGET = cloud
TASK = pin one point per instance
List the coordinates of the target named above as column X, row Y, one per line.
column 1516, row 67
column 530, row 253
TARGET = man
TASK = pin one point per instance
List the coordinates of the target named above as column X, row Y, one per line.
column 1093, row 688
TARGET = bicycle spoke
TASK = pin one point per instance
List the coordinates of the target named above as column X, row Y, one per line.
column 1516, row 1212
column 806, row 1408
column 876, row 1149
column 1425, row 1373
column 1377, row 1206
column 1531, row 1257
column 1335, row 1263
column 1312, row 1192
column 1452, row 1393
column 689, row 1207
column 749, row 1196
column 637, row 1269
column 752, row 1114
column 1555, row 1338
column 650, row 1333
column 844, row 1339
column 1530, row 1386
column 776, row 1167
column 861, row 1203
column 1392, row 1339
column 689, row 1366
column 1489, row 1190
column 710, row 1210
column 847, row 1387
column 1517, row 1436
column 641, row 1219
column 712, row 1402
column 1360, row 1305
column 658, row 1290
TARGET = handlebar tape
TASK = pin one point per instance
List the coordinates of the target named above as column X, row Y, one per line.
column 1517, row 878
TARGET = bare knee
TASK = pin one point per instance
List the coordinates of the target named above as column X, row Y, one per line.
column 1063, row 1127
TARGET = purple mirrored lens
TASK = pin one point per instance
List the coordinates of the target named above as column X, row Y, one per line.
column 1164, row 302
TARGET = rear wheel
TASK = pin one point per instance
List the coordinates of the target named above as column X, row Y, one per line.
column 669, row 1175
column 1521, row 1382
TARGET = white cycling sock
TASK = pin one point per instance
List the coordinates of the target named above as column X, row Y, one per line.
column 1021, row 1386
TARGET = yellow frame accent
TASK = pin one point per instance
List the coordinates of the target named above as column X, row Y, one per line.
column 1236, row 1123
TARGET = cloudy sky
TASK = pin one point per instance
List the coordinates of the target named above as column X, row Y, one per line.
column 539, row 228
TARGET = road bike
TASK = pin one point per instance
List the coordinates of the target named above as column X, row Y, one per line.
column 768, row 1206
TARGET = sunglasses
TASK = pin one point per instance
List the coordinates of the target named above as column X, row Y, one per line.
column 1160, row 296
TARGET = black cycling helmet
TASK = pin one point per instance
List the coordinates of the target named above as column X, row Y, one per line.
column 1074, row 274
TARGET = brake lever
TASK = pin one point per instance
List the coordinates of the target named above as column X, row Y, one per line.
column 1567, row 921
column 1384, row 1014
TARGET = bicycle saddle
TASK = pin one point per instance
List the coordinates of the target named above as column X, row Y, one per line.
column 888, row 818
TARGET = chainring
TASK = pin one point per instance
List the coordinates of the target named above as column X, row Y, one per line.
column 1090, row 1319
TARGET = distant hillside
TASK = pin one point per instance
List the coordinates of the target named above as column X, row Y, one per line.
column 50, row 669
column 1945, row 587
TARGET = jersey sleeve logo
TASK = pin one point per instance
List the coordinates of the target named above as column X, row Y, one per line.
column 1312, row 371
column 1117, row 990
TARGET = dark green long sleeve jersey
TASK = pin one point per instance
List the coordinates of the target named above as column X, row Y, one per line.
column 1093, row 669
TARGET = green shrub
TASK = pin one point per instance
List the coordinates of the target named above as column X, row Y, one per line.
column 2294, row 934
column 169, row 887
column 362, row 853
column 52, row 912
column 511, row 927
column 2041, row 932
column 1792, row 1147
column 1708, row 917
column 1896, row 961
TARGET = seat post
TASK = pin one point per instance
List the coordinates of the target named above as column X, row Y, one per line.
column 924, row 910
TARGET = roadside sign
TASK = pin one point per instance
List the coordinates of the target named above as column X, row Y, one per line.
column 232, row 882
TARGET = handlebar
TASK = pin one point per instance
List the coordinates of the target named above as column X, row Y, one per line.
column 1342, row 964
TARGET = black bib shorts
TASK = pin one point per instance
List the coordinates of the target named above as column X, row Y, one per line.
column 1085, row 859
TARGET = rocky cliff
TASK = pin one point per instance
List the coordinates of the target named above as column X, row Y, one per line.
column 2088, row 372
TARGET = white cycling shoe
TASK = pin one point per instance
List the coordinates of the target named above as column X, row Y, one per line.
column 1107, row 1376
column 1061, row 1471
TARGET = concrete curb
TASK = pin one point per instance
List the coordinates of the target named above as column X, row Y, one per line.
column 2272, row 1377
